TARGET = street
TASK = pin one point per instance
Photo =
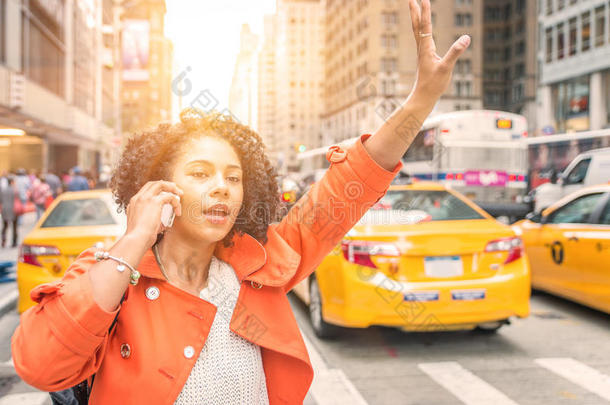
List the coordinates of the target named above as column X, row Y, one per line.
column 388, row 366
column 556, row 356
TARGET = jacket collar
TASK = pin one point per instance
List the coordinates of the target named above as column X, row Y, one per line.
column 247, row 256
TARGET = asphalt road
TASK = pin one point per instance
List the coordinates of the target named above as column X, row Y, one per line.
column 559, row 355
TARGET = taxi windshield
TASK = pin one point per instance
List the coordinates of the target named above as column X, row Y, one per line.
column 81, row 212
column 422, row 206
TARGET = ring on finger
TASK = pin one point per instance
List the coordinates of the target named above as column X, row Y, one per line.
column 422, row 35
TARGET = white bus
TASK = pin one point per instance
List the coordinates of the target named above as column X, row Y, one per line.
column 477, row 152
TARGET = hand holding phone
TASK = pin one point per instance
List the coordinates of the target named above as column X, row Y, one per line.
column 168, row 214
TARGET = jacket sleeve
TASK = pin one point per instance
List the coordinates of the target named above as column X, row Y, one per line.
column 61, row 341
column 318, row 221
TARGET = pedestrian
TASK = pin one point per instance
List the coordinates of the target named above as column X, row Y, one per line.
column 23, row 184
column 54, row 183
column 104, row 177
column 8, row 195
column 201, row 307
column 66, row 177
column 78, row 182
column 90, row 180
column 41, row 191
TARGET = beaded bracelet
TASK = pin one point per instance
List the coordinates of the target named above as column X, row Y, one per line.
column 135, row 275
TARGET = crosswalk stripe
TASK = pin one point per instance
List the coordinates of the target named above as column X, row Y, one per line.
column 467, row 387
column 330, row 386
column 8, row 363
column 30, row 398
column 580, row 374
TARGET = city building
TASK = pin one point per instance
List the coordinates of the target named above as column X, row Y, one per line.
column 267, row 87
column 291, row 66
column 574, row 58
column 371, row 56
column 509, row 57
column 146, row 63
column 244, row 90
column 56, row 87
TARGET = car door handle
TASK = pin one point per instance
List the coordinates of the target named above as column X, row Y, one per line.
column 573, row 239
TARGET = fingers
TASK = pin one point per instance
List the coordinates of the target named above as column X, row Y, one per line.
column 455, row 51
column 415, row 19
column 162, row 185
column 173, row 199
column 425, row 26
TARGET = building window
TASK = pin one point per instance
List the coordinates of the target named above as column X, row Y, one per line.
column 389, row 65
column 549, row 7
column 519, row 70
column 517, row 93
column 586, row 31
column 573, row 35
column 389, row 41
column 464, row 19
column 463, row 66
column 600, row 26
column 561, row 4
column 42, row 46
column 549, row 45
column 520, row 48
column 560, row 42
column 390, row 18
column 571, row 104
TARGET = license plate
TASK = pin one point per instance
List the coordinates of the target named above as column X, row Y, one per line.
column 468, row 295
column 443, row 266
column 422, row 296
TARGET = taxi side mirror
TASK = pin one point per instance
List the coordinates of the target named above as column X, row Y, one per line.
column 543, row 219
column 534, row 217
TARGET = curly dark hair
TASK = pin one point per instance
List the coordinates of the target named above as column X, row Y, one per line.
column 149, row 155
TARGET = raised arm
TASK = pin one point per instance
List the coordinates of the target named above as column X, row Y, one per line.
column 393, row 138
column 359, row 176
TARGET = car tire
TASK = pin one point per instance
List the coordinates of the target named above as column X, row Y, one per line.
column 490, row 327
column 321, row 328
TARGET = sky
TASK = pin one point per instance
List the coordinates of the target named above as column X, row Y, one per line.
column 205, row 35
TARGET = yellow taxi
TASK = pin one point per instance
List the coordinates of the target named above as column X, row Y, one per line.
column 424, row 258
column 75, row 221
column 568, row 246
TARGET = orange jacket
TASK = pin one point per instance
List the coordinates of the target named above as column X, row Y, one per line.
column 64, row 339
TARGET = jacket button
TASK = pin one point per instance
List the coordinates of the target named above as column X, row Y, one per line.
column 125, row 350
column 189, row 352
column 335, row 154
column 256, row 285
column 152, row 293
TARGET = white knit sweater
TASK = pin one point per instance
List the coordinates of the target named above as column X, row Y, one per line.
column 229, row 369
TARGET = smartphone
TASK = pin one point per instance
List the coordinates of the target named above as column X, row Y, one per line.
column 168, row 214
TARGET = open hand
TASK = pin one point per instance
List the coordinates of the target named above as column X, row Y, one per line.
column 433, row 72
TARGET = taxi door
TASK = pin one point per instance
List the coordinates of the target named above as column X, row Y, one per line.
column 594, row 243
column 562, row 255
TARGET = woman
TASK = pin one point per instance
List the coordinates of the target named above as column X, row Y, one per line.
column 209, row 321
column 9, row 216
column 39, row 194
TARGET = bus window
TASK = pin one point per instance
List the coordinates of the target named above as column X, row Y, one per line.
column 422, row 148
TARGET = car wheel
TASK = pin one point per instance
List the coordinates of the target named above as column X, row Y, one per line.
column 321, row 328
column 490, row 327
